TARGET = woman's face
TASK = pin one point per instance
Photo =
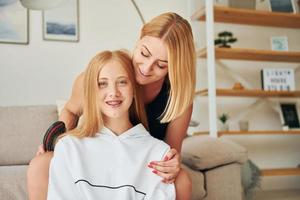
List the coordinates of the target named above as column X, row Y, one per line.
column 115, row 91
column 150, row 60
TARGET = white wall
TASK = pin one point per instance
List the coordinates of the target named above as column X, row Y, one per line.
column 43, row 71
column 267, row 151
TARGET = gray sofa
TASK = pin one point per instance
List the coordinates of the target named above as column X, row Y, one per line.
column 214, row 164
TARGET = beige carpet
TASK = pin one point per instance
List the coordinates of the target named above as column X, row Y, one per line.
column 278, row 195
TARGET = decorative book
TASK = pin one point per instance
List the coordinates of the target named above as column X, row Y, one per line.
column 278, row 79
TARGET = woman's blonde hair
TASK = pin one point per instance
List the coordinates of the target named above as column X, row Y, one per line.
column 176, row 34
column 92, row 117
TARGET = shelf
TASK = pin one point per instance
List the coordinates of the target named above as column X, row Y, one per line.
column 260, row 132
column 281, row 172
column 252, row 132
column 251, row 17
column 274, row 193
column 253, row 55
column 250, row 93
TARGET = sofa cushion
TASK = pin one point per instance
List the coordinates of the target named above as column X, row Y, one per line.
column 13, row 182
column 204, row 152
column 21, row 131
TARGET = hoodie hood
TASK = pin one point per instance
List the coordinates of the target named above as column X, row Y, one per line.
column 136, row 131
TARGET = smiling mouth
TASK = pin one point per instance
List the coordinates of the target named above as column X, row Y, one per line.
column 114, row 103
column 144, row 75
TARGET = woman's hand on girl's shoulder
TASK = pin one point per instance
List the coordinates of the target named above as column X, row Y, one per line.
column 169, row 167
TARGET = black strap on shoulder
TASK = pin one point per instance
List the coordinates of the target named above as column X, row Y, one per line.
column 56, row 129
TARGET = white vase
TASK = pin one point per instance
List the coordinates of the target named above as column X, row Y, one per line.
column 244, row 125
column 224, row 127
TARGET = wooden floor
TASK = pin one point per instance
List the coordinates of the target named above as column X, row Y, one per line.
column 278, row 195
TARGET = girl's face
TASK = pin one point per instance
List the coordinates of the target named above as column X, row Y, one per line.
column 115, row 91
column 150, row 60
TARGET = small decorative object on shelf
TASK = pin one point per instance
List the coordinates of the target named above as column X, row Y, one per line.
column 279, row 43
column 278, row 79
column 238, row 86
column 285, row 127
column 289, row 115
column 287, row 6
column 244, row 125
column 193, row 123
column 223, row 119
column 225, row 37
column 246, row 4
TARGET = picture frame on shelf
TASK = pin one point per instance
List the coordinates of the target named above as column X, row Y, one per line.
column 289, row 115
column 286, row 6
column 62, row 23
column 279, row 43
column 245, row 4
column 296, row 6
column 278, row 79
column 14, row 23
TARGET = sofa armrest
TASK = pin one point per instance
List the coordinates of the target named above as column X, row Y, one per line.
column 198, row 183
column 224, row 182
column 21, row 131
column 204, row 152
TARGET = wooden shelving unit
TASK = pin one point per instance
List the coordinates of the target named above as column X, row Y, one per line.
column 253, row 55
column 281, row 172
column 259, row 18
column 251, row 17
column 250, row 93
column 252, row 132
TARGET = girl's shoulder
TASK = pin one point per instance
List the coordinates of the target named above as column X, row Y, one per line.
column 67, row 141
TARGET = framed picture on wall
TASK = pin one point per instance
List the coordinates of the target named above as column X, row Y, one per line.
column 62, row 23
column 279, row 43
column 288, row 6
column 289, row 115
column 14, row 22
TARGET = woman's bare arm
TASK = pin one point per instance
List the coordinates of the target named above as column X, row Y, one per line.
column 177, row 129
column 73, row 108
column 176, row 132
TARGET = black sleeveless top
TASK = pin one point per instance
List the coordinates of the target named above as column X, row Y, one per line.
column 154, row 111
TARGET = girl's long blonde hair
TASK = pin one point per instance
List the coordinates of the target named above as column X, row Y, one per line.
column 92, row 117
column 176, row 34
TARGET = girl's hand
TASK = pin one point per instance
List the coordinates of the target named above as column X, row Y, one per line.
column 40, row 150
column 169, row 168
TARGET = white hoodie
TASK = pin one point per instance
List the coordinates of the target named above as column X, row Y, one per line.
column 108, row 167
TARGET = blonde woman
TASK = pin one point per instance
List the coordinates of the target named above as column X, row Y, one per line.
column 164, row 63
column 93, row 161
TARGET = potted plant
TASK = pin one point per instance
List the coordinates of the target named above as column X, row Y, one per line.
column 223, row 119
column 224, row 39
